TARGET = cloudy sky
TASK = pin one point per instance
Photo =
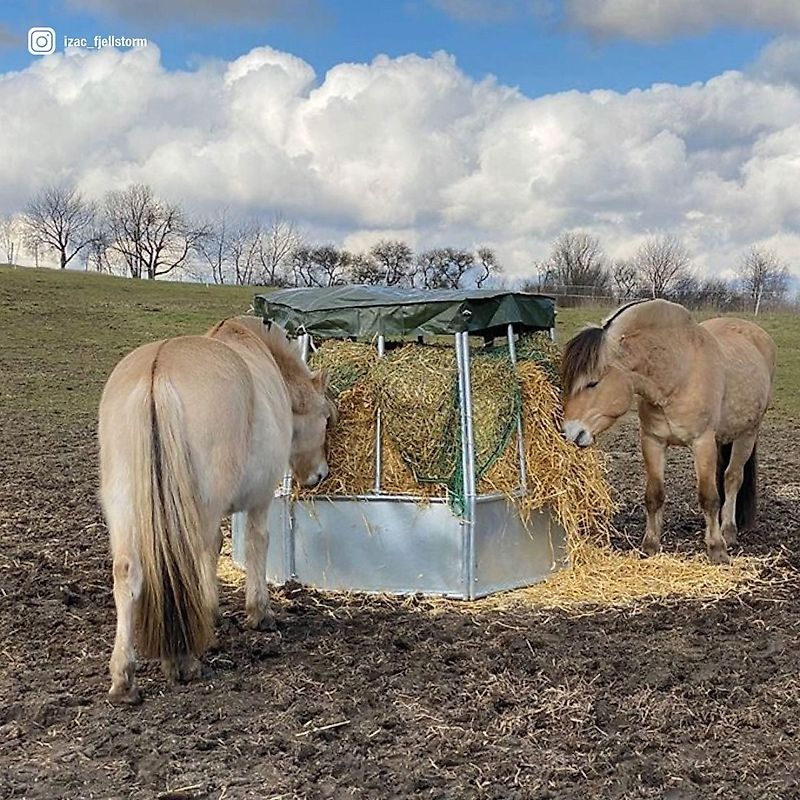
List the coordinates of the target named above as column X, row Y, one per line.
column 462, row 122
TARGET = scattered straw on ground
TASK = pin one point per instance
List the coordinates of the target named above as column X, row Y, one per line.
column 228, row 572
column 599, row 577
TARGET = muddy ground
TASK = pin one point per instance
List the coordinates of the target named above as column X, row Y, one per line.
column 427, row 700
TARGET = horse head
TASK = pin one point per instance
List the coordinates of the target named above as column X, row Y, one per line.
column 313, row 411
column 314, row 415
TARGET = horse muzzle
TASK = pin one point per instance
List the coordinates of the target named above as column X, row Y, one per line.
column 575, row 431
column 315, row 477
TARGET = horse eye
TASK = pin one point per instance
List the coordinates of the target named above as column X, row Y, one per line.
column 592, row 384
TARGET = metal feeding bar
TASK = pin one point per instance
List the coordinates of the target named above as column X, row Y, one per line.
column 378, row 426
column 467, row 461
column 523, row 474
column 287, row 525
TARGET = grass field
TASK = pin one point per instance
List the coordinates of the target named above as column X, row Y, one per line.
column 104, row 317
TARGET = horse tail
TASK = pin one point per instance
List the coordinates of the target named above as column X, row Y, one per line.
column 747, row 497
column 175, row 607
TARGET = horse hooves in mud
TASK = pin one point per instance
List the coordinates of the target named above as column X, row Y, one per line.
column 184, row 669
column 125, row 697
column 262, row 622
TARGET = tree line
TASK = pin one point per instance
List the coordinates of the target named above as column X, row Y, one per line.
column 134, row 232
column 578, row 271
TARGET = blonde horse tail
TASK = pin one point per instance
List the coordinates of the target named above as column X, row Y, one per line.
column 747, row 497
column 175, row 615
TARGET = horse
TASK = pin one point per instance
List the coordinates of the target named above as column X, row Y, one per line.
column 191, row 429
column 704, row 386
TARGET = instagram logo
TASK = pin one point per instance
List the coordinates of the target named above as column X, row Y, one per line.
column 41, row 41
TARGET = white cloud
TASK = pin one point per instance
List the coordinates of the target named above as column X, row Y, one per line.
column 779, row 61
column 413, row 145
column 656, row 20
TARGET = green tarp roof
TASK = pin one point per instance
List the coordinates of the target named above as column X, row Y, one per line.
column 345, row 311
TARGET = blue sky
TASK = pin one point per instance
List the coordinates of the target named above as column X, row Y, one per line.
column 538, row 53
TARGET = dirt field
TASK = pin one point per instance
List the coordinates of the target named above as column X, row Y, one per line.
column 424, row 700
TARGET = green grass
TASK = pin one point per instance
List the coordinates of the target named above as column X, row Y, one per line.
column 61, row 333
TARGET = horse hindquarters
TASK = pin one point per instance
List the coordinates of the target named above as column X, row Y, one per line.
column 162, row 575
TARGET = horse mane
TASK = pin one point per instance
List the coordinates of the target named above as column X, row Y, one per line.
column 586, row 352
column 293, row 368
column 657, row 313
column 272, row 337
column 583, row 355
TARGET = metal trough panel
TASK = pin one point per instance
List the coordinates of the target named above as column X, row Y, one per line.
column 509, row 555
column 402, row 546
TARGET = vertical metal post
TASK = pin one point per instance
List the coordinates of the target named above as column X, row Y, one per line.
column 305, row 342
column 467, row 462
column 523, row 474
column 378, row 426
column 289, row 561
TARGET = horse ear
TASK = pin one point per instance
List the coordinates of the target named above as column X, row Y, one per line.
column 320, row 380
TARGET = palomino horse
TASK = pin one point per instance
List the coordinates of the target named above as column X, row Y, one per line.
column 704, row 386
column 192, row 429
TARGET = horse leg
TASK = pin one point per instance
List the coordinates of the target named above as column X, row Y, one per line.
column 127, row 589
column 257, row 603
column 741, row 450
column 654, row 451
column 704, row 449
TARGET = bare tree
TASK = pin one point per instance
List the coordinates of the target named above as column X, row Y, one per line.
column 97, row 253
column 214, row 246
column 9, row 238
column 443, row 268
column 364, row 269
column 626, row 280
column 59, row 219
column 243, row 251
column 278, row 240
column 662, row 262
column 761, row 273
column 489, row 268
column 719, row 294
column 323, row 265
column 394, row 262
column 153, row 237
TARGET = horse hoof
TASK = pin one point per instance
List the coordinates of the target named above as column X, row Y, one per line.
column 719, row 556
column 190, row 670
column 266, row 623
column 650, row 548
column 730, row 536
column 124, row 697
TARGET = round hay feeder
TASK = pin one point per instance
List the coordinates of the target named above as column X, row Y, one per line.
column 467, row 543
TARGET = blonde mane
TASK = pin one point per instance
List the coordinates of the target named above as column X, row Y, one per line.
column 590, row 350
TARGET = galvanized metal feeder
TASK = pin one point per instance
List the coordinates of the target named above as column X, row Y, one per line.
column 405, row 544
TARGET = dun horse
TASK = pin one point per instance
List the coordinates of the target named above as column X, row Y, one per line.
column 705, row 386
column 192, row 429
